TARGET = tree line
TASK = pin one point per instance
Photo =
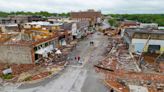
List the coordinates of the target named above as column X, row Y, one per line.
column 41, row 13
column 144, row 18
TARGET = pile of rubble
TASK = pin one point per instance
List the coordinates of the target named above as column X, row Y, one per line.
column 118, row 57
column 44, row 67
column 121, row 69
column 51, row 64
column 16, row 68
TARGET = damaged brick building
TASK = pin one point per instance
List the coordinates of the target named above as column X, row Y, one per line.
column 22, row 51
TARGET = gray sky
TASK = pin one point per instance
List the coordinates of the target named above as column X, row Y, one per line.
column 106, row 6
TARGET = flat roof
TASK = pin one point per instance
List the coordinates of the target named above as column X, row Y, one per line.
column 45, row 23
column 131, row 31
column 144, row 30
column 12, row 25
column 16, row 39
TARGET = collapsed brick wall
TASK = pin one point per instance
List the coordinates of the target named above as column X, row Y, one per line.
column 17, row 68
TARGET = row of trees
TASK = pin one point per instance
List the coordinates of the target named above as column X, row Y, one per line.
column 41, row 13
column 144, row 18
column 113, row 22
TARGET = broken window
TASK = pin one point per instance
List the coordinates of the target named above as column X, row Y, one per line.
column 153, row 48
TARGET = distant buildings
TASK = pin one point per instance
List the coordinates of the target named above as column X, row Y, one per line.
column 16, row 19
column 77, row 29
column 94, row 17
column 126, row 24
column 5, row 28
column 149, row 25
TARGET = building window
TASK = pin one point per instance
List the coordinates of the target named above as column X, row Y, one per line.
column 50, row 31
column 46, row 44
column 15, row 21
column 153, row 48
column 41, row 45
column 35, row 49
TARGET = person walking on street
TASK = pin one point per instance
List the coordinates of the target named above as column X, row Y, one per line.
column 75, row 58
column 79, row 61
column 91, row 43
column 78, row 58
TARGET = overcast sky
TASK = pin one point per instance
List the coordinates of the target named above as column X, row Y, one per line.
column 106, row 6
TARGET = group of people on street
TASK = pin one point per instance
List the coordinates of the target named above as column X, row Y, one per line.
column 77, row 58
column 91, row 43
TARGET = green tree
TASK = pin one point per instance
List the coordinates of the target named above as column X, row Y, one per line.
column 144, row 18
column 113, row 22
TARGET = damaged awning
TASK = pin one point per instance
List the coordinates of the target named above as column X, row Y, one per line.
column 58, row 52
column 46, row 50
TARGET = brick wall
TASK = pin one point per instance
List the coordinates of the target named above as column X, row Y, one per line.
column 17, row 69
column 15, row 54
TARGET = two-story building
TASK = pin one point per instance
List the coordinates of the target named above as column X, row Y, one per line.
column 92, row 16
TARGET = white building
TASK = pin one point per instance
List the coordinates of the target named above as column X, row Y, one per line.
column 144, row 40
